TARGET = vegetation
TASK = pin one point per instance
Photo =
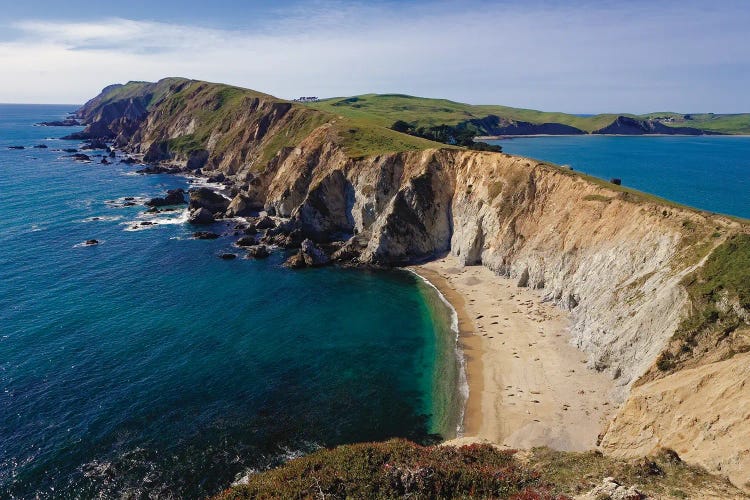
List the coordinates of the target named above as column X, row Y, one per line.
column 459, row 135
column 725, row 277
column 396, row 469
column 384, row 109
column 400, row 469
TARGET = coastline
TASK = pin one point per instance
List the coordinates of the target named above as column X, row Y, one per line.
column 527, row 385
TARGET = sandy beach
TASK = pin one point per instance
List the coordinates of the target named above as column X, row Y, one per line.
column 528, row 386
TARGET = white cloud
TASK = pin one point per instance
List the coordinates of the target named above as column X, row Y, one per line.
column 597, row 57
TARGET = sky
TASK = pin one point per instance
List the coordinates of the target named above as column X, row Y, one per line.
column 575, row 56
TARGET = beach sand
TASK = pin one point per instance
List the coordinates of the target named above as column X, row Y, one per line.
column 528, row 386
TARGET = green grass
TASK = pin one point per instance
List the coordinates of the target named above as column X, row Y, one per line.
column 385, row 109
column 725, row 274
column 361, row 138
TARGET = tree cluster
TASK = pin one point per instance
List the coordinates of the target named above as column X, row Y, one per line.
column 458, row 135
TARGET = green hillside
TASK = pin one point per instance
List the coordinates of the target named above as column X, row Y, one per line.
column 385, row 109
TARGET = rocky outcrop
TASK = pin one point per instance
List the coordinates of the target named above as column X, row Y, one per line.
column 614, row 259
column 208, row 199
column 309, row 255
column 625, row 125
column 242, row 206
column 700, row 413
column 495, row 125
column 68, row 122
column 200, row 216
column 173, row 197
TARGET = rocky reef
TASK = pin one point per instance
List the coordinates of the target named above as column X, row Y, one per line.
column 337, row 191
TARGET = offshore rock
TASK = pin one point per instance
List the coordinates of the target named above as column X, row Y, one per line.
column 208, row 199
column 258, row 252
column 200, row 216
column 174, row 197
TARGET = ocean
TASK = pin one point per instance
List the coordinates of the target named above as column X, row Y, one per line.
column 148, row 365
column 707, row 172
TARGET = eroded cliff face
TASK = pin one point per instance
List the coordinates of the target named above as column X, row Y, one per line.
column 613, row 258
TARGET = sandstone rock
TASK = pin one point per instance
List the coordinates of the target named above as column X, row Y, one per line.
column 240, row 206
column 200, row 216
column 612, row 490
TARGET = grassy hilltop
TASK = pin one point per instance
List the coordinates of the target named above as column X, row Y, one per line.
column 385, row 109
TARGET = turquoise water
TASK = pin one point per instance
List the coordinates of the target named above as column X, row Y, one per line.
column 148, row 364
column 710, row 172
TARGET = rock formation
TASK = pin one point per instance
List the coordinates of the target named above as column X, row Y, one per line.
column 616, row 259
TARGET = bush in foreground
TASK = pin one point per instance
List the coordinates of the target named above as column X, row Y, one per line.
column 398, row 469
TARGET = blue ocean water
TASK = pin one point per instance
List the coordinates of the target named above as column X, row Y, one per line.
column 146, row 364
column 707, row 172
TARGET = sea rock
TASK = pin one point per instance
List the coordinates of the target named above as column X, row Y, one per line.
column 68, row 122
column 296, row 261
column 258, row 252
column 128, row 160
column 205, row 235
column 309, row 255
column 81, row 157
column 265, row 223
column 105, row 161
column 174, row 197
column 228, row 256
column 250, row 229
column 158, row 169
column 245, row 241
column 200, row 216
column 208, row 199
column 92, row 242
column 41, row 146
column 16, row 147
column 94, row 144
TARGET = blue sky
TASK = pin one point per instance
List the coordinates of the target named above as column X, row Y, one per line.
column 573, row 56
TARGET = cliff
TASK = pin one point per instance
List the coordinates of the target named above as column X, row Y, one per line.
column 626, row 265
column 625, row 125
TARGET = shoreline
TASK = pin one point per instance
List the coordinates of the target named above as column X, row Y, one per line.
column 527, row 385
column 468, row 348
